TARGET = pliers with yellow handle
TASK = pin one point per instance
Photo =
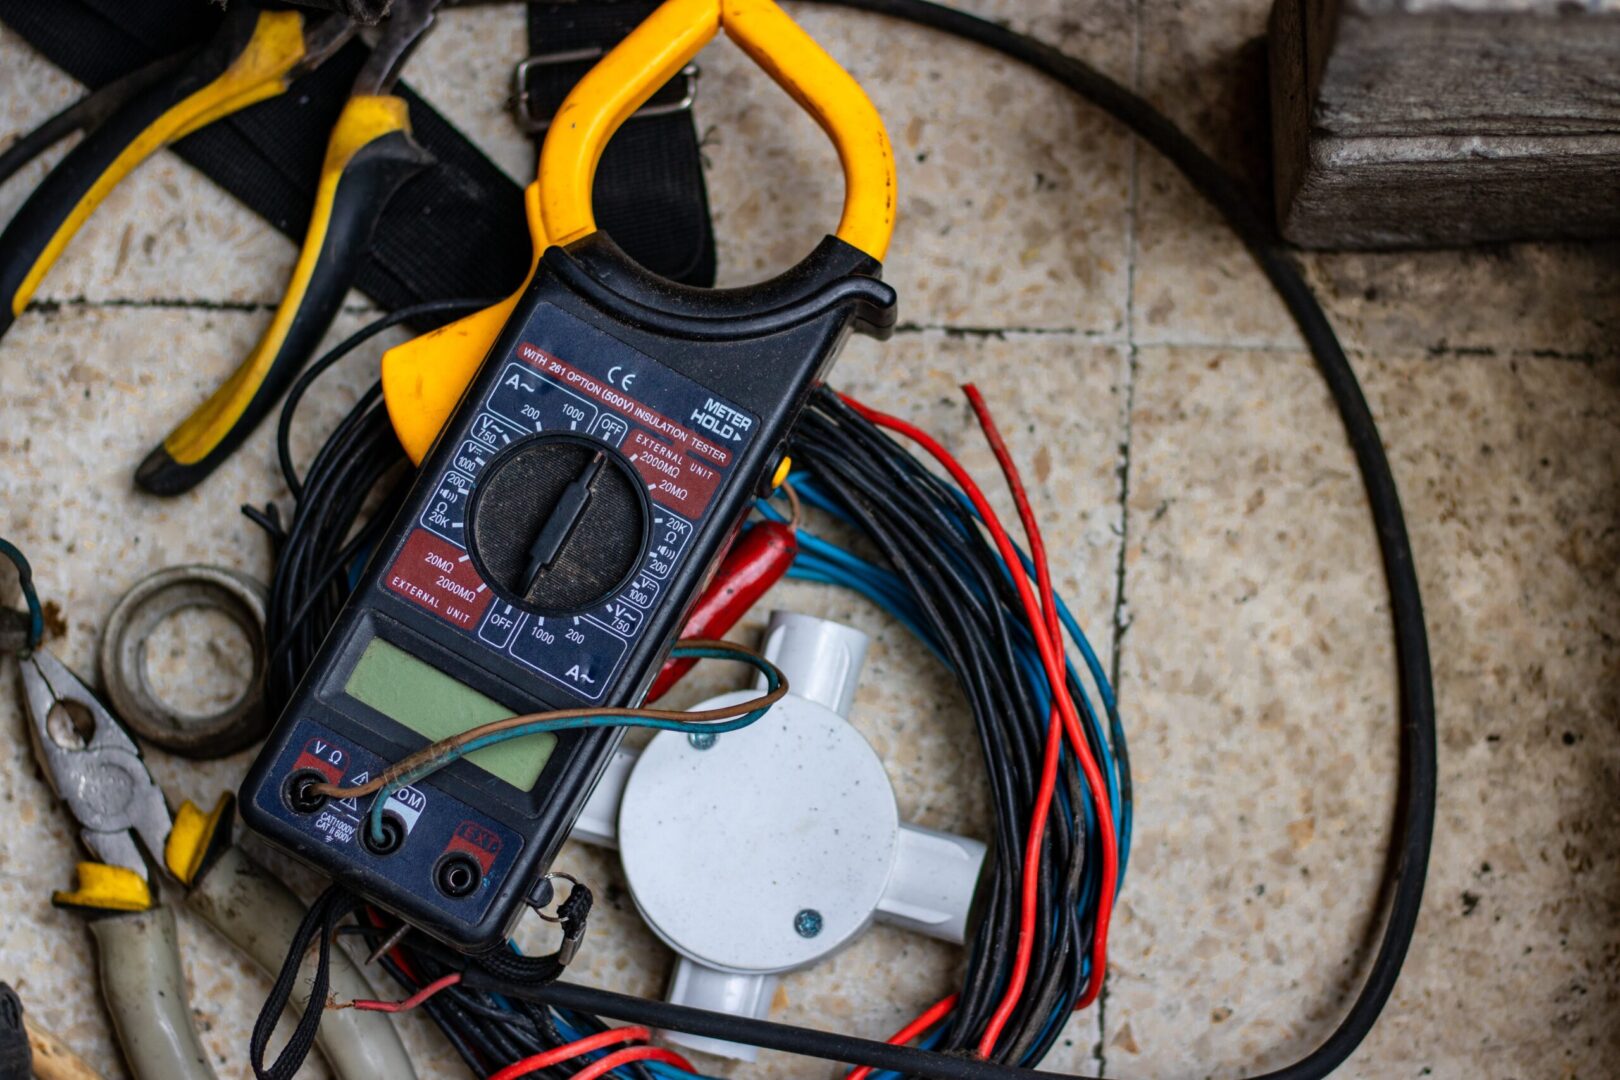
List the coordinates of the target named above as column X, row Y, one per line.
column 96, row 769
column 424, row 378
column 369, row 156
column 254, row 55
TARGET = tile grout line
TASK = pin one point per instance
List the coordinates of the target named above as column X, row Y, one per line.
column 1128, row 340
column 1128, row 407
column 50, row 305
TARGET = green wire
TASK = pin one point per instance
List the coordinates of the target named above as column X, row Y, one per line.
column 25, row 579
column 608, row 718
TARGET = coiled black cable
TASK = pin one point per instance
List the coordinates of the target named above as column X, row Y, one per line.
column 1415, row 810
column 970, row 614
column 1407, row 866
column 1415, row 805
column 359, row 467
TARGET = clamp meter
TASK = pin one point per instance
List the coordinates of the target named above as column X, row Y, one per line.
column 605, row 449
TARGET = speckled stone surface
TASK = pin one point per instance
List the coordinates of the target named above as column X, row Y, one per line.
column 1208, row 522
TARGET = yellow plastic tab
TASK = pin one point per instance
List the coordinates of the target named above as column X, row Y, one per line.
column 783, row 467
column 257, row 73
column 363, row 120
column 190, row 836
column 425, row 377
column 664, row 43
column 106, row 888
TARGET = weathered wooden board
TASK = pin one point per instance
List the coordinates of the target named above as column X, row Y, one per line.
column 1400, row 123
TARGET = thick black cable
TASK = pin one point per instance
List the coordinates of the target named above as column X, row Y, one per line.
column 1415, row 808
column 318, row 927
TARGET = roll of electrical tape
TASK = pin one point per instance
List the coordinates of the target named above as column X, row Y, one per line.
column 124, row 663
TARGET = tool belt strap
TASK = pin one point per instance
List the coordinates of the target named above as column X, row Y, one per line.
column 649, row 193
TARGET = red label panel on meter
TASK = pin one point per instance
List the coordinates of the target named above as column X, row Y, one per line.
column 437, row 575
column 673, row 478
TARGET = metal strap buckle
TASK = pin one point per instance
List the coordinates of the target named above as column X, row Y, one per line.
column 523, row 103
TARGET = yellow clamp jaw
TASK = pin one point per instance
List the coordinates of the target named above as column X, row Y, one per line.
column 423, row 379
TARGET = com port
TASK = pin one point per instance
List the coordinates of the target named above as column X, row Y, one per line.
column 393, row 835
column 299, row 793
column 457, row 876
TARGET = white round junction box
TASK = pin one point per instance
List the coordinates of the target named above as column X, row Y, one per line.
column 767, row 850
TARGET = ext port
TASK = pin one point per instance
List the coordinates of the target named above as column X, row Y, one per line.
column 393, row 835
column 457, row 876
column 300, row 799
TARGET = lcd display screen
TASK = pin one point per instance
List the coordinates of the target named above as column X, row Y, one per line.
column 436, row 706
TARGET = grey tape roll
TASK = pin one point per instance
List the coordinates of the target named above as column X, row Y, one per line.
column 123, row 660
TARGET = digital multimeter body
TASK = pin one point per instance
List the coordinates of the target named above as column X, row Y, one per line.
column 590, row 479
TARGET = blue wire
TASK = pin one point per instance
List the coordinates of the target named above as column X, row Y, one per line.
column 822, row 561
column 25, row 581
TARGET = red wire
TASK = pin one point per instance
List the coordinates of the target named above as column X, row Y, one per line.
column 1060, row 686
column 549, row 1058
column 1029, row 894
column 934, row 1015
column 629, row 1054
column 368, row 1005
column 1043, row 575
column 1049, row 647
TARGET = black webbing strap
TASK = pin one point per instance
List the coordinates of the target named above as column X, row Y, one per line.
column 649, row 195
column 456, row 230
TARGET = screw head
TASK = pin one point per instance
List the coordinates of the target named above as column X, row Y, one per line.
column 807, row 923
column 702, row 740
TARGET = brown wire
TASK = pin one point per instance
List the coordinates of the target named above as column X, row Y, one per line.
column 793, row 501
column 444, row 747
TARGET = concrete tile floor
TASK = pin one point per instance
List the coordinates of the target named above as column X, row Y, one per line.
column 1215, row 542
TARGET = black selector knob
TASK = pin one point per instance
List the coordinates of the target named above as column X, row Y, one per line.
column 558, row 523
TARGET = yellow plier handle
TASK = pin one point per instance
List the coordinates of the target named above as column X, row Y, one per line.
column 249, row 59
column 369, row 155
column 424, row 378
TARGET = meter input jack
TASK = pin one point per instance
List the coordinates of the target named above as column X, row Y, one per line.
column 393, row 836
column 458, row 876
column 299, row 791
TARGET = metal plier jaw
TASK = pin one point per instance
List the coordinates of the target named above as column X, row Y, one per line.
column 99, row 774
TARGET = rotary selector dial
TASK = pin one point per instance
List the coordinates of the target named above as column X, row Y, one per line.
column 558, row 523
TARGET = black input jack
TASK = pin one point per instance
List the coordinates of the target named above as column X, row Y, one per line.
column 457, row 876
column 300, row 799
column 393, row 835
